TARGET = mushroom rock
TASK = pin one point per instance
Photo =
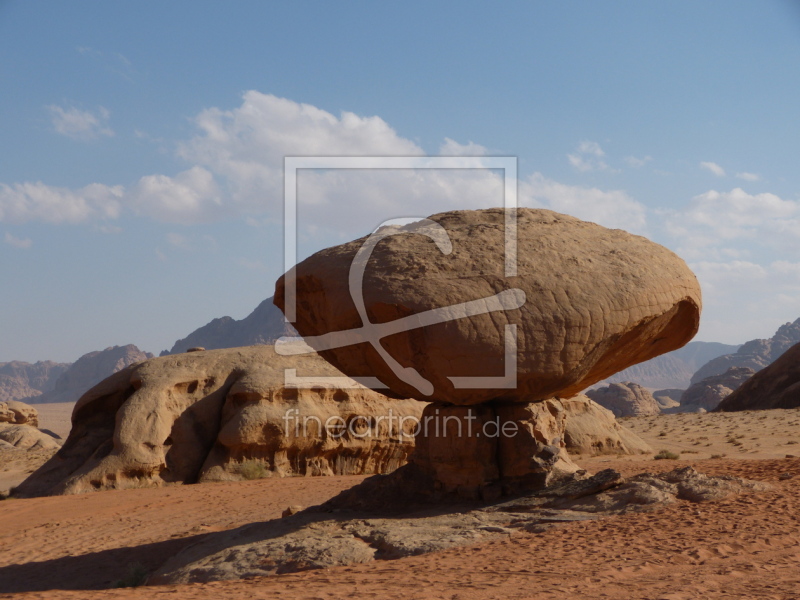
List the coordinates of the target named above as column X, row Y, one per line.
column 432, row 315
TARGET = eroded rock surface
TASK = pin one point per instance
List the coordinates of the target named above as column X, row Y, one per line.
column 708, row 393
column 626, row 400
column 18, row 413
column 591, row 429
column 596, row 301
column 27, row 437
column 776, row 386
column 317, row 538
column 205, row 415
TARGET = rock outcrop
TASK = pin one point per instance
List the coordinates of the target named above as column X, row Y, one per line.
column 708, row 393
column 775, row 386
column 314, row 539
column 668, row 399
column 265, row 325
column 21, row 380
column 18, row 413
column 673, row 369
column 27, row 437
column 591, row 429
column 625, row 400
column 755, row 354
column 206, row 415
column 584, row 303
column 89, row 370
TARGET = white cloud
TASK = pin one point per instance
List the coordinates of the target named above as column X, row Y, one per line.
column 749, row 176
column 612, row 208
column 190, row 197
column 589, row 157
column 453, row 148
column 80, row 124
column 22, row 243
column 178, row 241
column 637, row 163
column 24, row 202
column 713, row 168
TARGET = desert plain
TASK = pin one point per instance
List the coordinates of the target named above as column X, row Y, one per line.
column 745, row 546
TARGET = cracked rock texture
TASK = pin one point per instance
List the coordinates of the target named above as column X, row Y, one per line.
column 203, row 415
column 317, row 538
column 597, row 301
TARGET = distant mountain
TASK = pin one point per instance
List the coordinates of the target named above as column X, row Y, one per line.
column 89, row 370
column 674, row 369
column 755, row 354
column 262, row 326
column 25, row 380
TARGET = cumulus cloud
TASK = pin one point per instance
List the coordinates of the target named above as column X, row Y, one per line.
column 588, row 157
column 22, row 243
column 713, row 168
column 636, row 163
column 453, row 148
column 749, row 176
column 613, row 208
column 80, row 124
column 23, row 202
column 190, row 197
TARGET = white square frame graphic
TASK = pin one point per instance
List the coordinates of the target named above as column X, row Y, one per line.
column 508, row 164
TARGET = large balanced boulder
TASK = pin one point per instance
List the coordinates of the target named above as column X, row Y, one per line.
column 626, row 400
column 776, row 386
column 706, row 395
column 594, row 301
column 428, row 308
column 206, row 415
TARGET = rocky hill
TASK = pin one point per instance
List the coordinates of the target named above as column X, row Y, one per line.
column 263, row 326
column 25, row 380
column 755, row 354
column 87, row 371
column 674, row 369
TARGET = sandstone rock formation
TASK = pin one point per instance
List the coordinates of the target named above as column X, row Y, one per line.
column 586, row 302
column 315, row 539
column 21, row 380
column 673, row 369
column 265, row 325
column 755, row 354
column 708, row 393
column 18, row 413
column 202, row 416
column 668, row 399
column 27, row 437
column 776, row 386
column 591, row 429
column 89, row 370
column 625, row 400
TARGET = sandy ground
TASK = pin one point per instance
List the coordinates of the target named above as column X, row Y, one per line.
column 743, row 547
column 55, row 417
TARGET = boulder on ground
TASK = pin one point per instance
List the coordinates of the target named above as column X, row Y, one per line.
column 626, row 400
column 708, row 393
column 776, row 386
column 591, row 429
column 226, row 414
column 27, row 437
column 18, row 413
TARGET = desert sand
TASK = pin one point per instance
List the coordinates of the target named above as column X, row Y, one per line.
column 743, row 547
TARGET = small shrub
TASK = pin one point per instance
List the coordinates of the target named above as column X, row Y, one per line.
column 252, row 469
column 137, row 575
column 717, row 456
column 666, row 455
column 662, row 434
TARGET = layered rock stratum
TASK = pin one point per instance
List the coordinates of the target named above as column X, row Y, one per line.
column 207, row 415
column 775, row 386
column 708, row 393
column 755, row 354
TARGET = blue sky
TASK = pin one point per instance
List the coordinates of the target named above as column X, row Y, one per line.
column 141, row 145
